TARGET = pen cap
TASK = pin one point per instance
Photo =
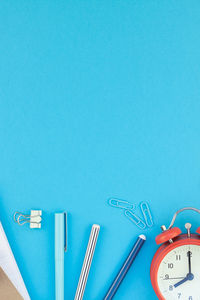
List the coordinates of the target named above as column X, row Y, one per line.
column 60, row 235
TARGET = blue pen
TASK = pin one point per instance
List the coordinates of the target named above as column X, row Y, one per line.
column 60, row 248
column 126, row 266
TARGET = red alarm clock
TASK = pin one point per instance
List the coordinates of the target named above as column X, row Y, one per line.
column 175, row 268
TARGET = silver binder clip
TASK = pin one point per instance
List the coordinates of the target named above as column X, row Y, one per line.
column 34, row 219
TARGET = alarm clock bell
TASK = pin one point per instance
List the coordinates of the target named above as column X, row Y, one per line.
column 167, row 235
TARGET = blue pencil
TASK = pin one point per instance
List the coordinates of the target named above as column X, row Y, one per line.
column 126, row 266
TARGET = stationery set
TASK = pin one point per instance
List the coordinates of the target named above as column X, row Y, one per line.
column 12, row 286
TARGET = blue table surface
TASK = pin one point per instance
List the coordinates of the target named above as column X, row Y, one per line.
column 98, row 99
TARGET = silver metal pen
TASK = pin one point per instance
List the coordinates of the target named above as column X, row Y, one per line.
column 87, row 262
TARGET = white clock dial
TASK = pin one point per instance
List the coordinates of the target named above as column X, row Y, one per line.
column 179, row 274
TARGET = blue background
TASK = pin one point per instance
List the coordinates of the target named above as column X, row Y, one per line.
column 97, row 99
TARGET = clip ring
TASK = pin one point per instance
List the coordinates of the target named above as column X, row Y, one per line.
column 21, row 219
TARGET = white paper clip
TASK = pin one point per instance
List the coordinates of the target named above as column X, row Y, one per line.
column 119, row 203
column 135, row 219
column 34, row 219
column 146, row 213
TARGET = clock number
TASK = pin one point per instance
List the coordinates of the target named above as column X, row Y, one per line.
column 178, row 257
column 190, row 298
column 171, row 288
column 170, row 266
column 179, row 295
column 166, row 276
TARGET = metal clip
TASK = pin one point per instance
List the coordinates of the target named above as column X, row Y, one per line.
column 135, row 219
column 119, row 203
column 34, row 219
column 146, row 213
column 65, row 233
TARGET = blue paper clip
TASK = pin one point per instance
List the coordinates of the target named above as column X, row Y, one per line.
column 119, row 203
column 135, row 219
column 146, row 213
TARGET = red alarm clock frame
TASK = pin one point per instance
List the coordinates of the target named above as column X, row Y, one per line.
column 175, row 256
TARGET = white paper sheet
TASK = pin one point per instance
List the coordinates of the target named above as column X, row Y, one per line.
column 9, row 265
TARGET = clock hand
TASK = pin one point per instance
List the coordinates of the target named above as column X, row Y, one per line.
column 189, row 276
column 170, row 278
column 189, row 254
column 181, row 282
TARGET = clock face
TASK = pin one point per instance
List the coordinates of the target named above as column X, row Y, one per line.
column 179, row 274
